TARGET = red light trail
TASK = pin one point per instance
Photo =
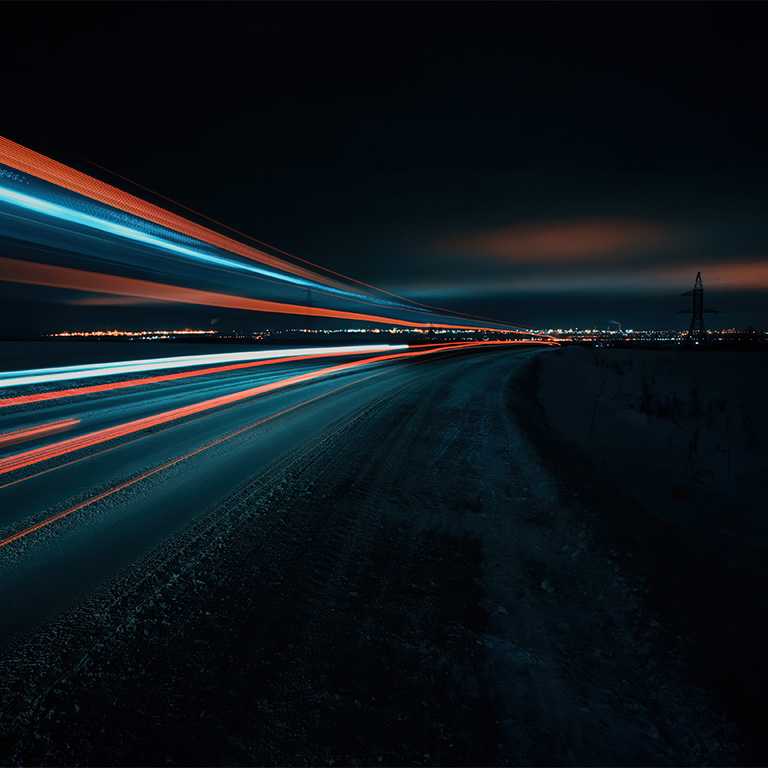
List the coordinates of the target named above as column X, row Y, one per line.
column 30, row 433
column 39, row 397
column 42, row 167
column 133, row 481
column 36, row 273
column 64, row 513
column 43, row 453
column 33, row 163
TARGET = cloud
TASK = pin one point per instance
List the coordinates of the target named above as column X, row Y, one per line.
column 742, row 275
column 565, row 241
column 734, row 276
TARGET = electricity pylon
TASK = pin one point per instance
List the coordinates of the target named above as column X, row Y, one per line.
column 310, row 321
column 697, row 310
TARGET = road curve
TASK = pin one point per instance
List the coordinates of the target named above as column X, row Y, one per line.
column 72, row 518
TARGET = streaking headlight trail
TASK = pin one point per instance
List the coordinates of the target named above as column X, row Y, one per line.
column 86, row 220
column 37, row 455
column 101, row 224
column 62, row 213
column 70, row 372
column 65, row 195
column 41, row 167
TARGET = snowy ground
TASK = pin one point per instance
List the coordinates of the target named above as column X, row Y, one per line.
column 670, row 449
column 441, row 577
column 685, row 426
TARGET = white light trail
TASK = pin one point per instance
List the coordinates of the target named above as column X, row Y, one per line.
column 70, row 372
column 76, row 217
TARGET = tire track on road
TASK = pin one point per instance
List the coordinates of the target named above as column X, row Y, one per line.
column 68, row 643
column 320, row 555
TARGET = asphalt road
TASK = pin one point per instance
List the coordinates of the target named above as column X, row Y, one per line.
column 184, row 467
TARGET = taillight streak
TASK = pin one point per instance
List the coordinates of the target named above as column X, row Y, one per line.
column 40, row 430
column 37, row 526
column 74, row 392
column 43, row 453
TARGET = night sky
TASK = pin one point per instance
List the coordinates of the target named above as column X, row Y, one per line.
column 547, row 164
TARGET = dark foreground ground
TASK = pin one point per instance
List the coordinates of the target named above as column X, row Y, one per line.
column 438, row 579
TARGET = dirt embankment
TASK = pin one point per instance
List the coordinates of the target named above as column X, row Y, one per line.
column 671, row 449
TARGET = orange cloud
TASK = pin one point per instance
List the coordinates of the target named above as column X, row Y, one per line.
column 747, row 276
column 737, row 276
column 569, row 240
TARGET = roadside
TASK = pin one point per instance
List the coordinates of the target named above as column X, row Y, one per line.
column 669, row 451
column 411, row 587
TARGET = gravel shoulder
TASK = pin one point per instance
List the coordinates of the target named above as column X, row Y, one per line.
column 417, row 585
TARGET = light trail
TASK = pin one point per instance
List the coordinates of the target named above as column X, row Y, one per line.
column 44, row 453
column 102, row 225
column 70, row 372
column 52, row 276
column 64, row 513
column 173, row 426
column 46, row 169
column 27, row 161
column 48, row 521
column 128, row 483
column 41, row 430
column 40, row 397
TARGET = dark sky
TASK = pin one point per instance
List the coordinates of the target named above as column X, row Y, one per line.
column 542, row 163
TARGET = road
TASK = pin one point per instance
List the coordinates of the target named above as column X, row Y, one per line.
column 176, row 469
column 388, row 574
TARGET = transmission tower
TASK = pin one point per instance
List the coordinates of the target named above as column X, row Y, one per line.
column 697, row 310
column 310, row 321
